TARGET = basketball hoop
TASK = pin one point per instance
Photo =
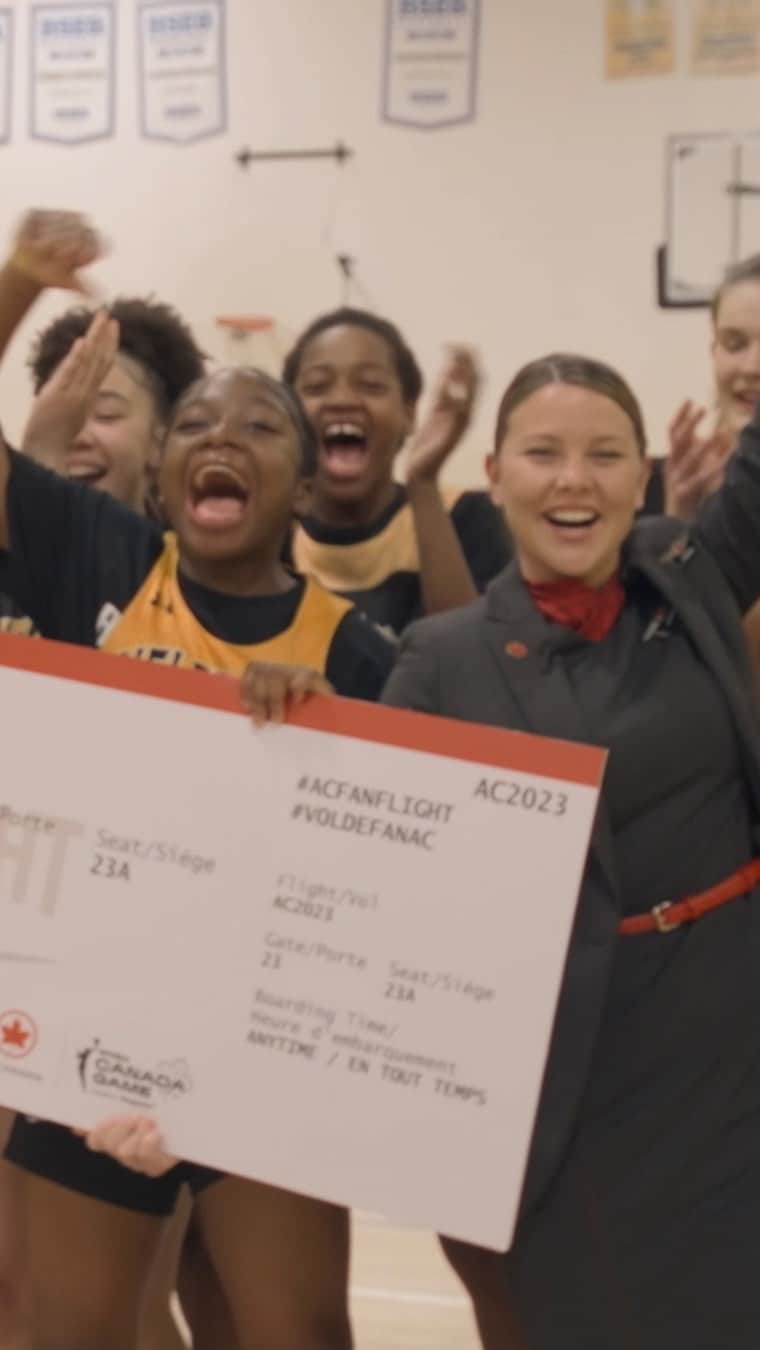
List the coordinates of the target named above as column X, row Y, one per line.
column 243, row 325
column 252, row 340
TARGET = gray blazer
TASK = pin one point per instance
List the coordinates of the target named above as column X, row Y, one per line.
column 458, row 665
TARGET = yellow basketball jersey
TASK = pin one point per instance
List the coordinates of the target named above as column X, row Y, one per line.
column 158, row 625
column 371, row 561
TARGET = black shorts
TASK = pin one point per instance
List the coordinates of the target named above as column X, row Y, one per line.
column 53, row 1152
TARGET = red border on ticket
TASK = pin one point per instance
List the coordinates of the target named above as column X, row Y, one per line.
column 474, row 742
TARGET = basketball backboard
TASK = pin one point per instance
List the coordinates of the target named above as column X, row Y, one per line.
column 712, row 212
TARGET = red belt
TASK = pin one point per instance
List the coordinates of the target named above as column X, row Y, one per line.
column 670, row 915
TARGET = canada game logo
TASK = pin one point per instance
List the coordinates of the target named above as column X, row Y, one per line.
column 18, row 1034
column 109, row 1073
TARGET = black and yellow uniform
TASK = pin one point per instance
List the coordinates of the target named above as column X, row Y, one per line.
column 377, row 566
column 90, row 571
column 162, row 623
column 93, row 572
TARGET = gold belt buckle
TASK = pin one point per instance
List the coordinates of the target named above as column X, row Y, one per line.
column 660, row 917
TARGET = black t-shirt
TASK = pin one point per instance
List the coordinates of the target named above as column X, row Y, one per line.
column 376, row 566
column 654, row 500
column 77, row 555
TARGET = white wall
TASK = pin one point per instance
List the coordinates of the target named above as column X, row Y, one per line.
column 532, row 229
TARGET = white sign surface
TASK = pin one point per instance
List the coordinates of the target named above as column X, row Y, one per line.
column 326, row 955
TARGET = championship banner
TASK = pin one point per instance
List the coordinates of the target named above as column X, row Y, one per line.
column 182, row 70
column 430, row 65
column 725, row 37
column 639, row 38
column 73, row 69
column 6, row 73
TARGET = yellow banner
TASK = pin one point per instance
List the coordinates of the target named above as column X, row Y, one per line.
column 639, row 38
column 725, row 37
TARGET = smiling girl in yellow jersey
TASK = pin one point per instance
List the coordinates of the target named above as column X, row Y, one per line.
column 213, row 593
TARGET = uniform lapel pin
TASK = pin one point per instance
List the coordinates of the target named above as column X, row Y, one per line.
column 517, row 650
column 680, row 551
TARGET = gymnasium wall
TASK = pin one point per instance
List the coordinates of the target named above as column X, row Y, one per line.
column 532, row 228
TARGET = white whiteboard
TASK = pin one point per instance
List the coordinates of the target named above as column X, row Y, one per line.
column 712, row 208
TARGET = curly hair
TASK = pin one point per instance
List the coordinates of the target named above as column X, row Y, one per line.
column 407, row 369
column 150, row 333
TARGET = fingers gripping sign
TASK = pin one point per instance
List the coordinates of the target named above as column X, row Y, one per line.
column 133, row 1141
column 269, row 690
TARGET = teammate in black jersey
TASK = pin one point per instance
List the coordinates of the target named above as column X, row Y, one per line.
column 396, row 551
column 97, row 416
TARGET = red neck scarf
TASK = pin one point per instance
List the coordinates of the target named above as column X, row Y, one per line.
column 592, row 613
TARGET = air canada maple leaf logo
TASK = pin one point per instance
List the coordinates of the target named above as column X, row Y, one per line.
column 18, row 1034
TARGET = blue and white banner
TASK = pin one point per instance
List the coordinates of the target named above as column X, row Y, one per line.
column 183, row 69
column 6, row 73
column 73, row 72
column 431, row 62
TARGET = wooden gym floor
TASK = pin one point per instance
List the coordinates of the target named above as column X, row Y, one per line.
column 404, row 1296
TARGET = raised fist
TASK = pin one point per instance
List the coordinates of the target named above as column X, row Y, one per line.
column 51, row 247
